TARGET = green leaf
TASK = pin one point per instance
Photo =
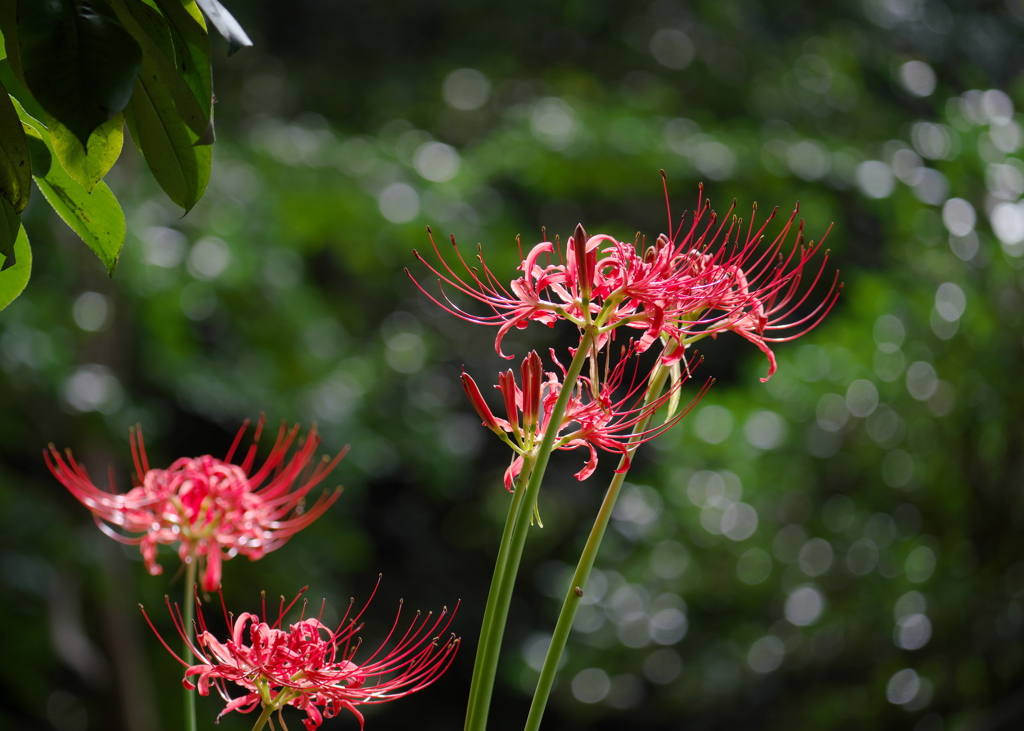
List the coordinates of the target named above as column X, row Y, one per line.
column 15, row 167
column 39, row 152
column 160, row 59
column 10, row 222
column 87, row 165
column 191, row 49
column 180, row 165
column 226, row 25
column 96, row 217
column 13, row 280
column 9, row 27
column 79, row 62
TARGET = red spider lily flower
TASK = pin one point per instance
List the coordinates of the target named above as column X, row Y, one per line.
column 709, row 288
column 713, row 278
column 545, row 293
column 596, row 417
column 309, row 665
column 516, row 309
column 611, row 425
column 211, row 509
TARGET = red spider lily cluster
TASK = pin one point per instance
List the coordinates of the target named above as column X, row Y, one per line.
column 311, row 666
column 596, row 417
column 214, row 510
column 702, row 279
column 211, row 509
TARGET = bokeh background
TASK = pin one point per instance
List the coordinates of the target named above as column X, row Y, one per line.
column 838, row 548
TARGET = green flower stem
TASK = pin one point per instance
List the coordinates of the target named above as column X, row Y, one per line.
column 500, row 597
column 579, row 579
column 486, row 653
column 264, row 717
column 188, row 617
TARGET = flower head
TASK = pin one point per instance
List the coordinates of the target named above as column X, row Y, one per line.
column 210, row 508
column 717, row 278
column 602, row 412
column 708, row 277
column 308, row 664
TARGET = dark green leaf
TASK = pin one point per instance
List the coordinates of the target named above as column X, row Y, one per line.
column 9, row 27
column 87, row 165
column 80, row 63
column 155, row 36
column 180, row 165
column 191, row 49
column 225, row 24
column 14, row 279
column 15, row 168
column 96, row 217
column 10, row 222
column 39, row 152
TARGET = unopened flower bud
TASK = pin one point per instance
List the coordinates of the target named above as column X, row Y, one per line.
column 586, row 262
column 507, row 386
column 532, row 375
column 479, row 405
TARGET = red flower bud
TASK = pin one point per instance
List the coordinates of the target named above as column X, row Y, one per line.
column 507, row 386
column 477, row 399
column 586, row 261
column 532, row 376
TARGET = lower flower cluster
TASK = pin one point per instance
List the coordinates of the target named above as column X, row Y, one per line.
column 311, row 666
column 212, row 510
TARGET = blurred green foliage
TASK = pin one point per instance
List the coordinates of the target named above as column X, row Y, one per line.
column 839, row 547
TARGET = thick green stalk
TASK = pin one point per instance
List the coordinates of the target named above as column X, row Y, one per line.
column 486, row 651
column 503, row 581
column 579, row 579
column 188, row 616
column 264, row 717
